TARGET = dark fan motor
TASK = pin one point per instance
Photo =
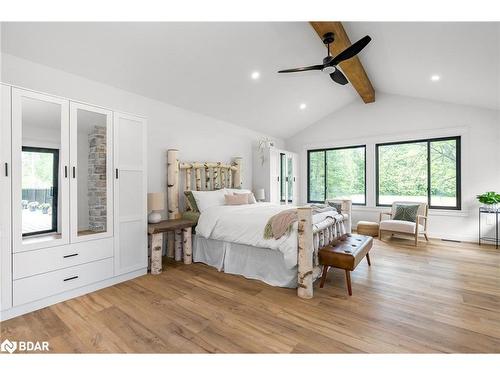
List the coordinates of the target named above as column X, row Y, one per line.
column 330, row 63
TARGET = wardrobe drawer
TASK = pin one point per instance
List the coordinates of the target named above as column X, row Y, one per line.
column 30, row 263
column 40, row 286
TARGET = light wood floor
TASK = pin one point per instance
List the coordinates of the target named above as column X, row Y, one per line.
column 440, row 297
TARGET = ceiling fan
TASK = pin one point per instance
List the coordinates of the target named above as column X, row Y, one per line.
column 330, row 63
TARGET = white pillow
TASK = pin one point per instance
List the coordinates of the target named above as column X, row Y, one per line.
column 207, row 199
column 236, row 191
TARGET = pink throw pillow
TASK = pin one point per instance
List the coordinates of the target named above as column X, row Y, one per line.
column 251, row 197
column 235, row 199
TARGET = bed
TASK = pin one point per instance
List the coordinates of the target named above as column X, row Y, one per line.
column 231, row 239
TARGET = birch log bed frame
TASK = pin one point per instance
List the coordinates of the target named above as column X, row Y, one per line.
column 217, row 175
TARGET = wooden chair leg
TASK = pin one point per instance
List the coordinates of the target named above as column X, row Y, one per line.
column 323, row 276
column 426, row 238
column 348, row 281
column 368, row 259
column 416, row 240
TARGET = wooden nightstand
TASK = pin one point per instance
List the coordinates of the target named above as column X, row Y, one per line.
column 179, row 226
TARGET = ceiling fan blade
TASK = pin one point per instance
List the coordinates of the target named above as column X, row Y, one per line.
column 351, row 51
column 313, row 67
column 339, row 77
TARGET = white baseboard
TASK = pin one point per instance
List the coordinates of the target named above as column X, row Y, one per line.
column 36, row 305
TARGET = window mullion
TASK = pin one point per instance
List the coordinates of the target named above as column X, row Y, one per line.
column 325, row 177
column 429, row 173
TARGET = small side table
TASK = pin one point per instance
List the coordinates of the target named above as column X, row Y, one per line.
column 182, row 229
column 496, row 212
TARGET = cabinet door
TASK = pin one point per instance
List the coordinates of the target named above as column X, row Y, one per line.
column 40, row 170
column 130, row 193
column 5, row 200
column 91, row 163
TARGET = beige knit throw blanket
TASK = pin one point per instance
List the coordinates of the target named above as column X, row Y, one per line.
column 282, row 223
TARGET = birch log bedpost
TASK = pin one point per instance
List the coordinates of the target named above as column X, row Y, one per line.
column 173, row 184
column 173, row 200
column 305, row 253
column 237, row 180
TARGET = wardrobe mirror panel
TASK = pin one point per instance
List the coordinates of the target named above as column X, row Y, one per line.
column 91, row 170
column 40, row 180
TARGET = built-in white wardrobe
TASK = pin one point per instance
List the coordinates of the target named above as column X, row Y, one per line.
column 73, row 199
column 276, row 171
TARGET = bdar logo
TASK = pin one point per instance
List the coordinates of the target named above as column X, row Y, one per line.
column 8, row 346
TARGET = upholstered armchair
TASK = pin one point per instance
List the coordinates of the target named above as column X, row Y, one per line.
column 399, row 220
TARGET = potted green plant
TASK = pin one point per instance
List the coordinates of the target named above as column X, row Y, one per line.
column 33, row 206
column 490, row 199
column 45, row 208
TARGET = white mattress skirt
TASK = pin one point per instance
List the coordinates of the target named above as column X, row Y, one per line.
column 252, row 262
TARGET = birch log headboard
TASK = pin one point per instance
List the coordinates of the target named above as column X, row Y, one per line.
column 200, row 176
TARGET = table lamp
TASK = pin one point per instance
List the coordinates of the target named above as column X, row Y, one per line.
column 260, row 195
column 156, row 202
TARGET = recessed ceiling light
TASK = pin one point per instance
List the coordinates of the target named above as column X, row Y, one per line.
column 435, row 78
column 303, row 106
column 255, row 75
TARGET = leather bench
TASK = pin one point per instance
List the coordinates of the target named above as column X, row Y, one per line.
column 345, row 254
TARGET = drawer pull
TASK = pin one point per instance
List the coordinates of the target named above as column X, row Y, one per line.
column 71, row 278
column 70, row 255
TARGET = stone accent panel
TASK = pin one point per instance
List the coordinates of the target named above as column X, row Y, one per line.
column 97, row 180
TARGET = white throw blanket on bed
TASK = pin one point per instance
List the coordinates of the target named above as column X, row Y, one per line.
column 245, row 225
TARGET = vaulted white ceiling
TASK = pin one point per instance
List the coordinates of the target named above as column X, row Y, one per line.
column 206, row 67
column 404, row 56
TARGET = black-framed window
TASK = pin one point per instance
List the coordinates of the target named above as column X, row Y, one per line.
column 337, row 173
column 426, row 170
column 40, row 181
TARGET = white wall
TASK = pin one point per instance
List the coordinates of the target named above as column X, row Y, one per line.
column 393, row 118
column 198, row 137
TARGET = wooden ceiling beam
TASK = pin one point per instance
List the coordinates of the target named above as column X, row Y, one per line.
column 352, row 68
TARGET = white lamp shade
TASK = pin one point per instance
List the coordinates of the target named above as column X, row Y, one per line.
column 156, row 201
column 260, row 194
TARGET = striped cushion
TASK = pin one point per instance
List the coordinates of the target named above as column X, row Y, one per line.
column 406, row 212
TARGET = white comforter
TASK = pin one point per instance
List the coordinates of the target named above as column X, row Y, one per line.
column 245, row 224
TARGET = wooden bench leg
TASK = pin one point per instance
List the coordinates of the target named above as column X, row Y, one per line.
column 178, row 245
column 368, row 259
column 156, row 253
column 348, row 281
column 187, row 245
column 323, row 276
